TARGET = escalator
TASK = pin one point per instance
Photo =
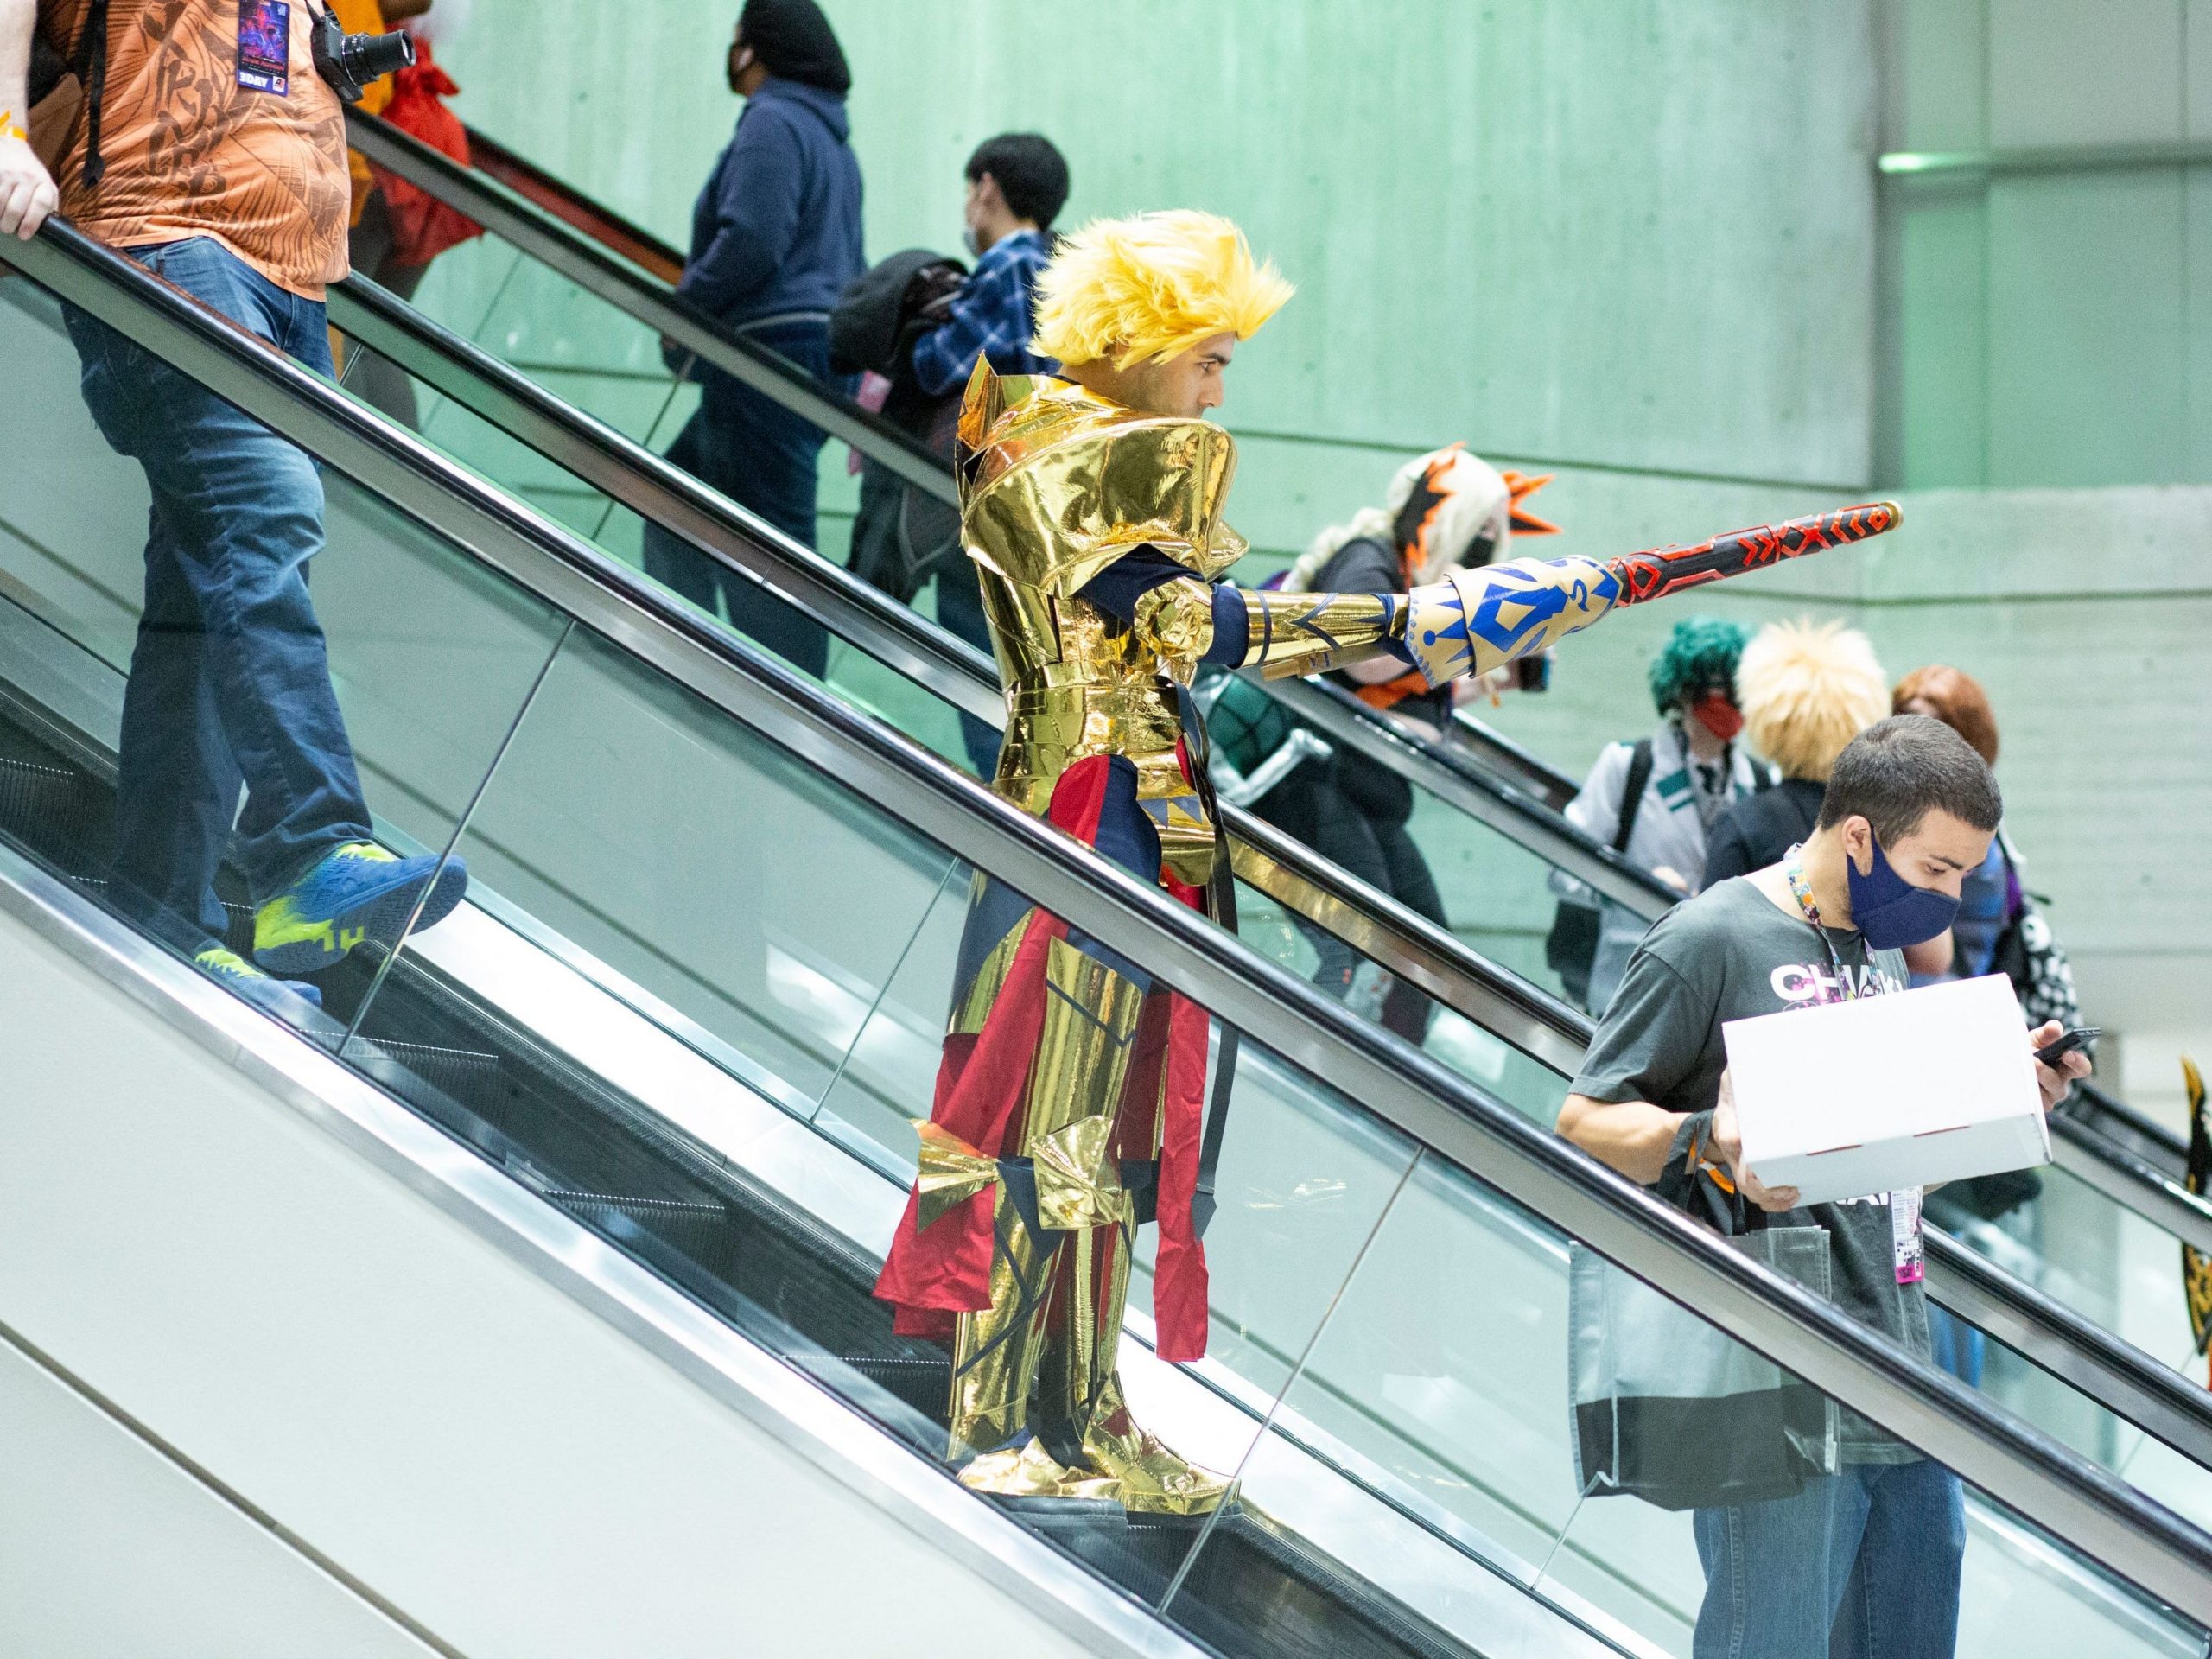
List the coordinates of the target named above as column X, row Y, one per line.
column 1486, row 805
column 701, row 882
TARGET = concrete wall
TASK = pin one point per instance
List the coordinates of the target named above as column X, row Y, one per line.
column 2052, row 325
column 1458, row 191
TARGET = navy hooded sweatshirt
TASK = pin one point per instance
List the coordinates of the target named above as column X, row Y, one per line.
column 778, row 228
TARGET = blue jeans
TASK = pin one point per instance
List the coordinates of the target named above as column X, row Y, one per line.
column 1863, row 1563
column 230, row 681
column 1955, row 1346
column 763, row 457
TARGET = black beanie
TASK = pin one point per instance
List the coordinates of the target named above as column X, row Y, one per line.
column 793, row 39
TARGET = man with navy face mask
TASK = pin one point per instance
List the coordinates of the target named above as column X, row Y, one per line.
column 1869, row 1556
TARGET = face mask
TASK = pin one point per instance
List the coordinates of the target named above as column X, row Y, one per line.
column 741, row 59
column 1717, row 715
column 972, row 239
column 1890, row 912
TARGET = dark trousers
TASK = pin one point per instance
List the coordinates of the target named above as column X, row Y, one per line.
column 763, row 457
column 960, row 611
column 230, row 679
column 1311, row 805
column 377, row 381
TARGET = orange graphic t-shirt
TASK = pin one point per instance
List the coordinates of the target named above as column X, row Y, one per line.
column 190, row 152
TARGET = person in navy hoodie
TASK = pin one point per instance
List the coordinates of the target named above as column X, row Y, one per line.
column 775, row 236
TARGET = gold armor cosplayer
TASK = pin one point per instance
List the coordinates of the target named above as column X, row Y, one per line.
column 1069, row 1098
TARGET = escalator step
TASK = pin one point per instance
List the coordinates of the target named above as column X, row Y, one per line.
column 923, row 1381
column 472, row 1077
column 54, row 809
column 700, row 1232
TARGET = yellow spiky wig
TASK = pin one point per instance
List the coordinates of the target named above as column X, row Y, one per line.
column 1150, row 288
column 1806, row 691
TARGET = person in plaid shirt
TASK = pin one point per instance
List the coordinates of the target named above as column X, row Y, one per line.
column 1017, row 184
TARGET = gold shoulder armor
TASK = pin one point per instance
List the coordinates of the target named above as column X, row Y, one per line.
column 1067, row 482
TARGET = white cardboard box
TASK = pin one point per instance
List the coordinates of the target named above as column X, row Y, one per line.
column 1886, row 1092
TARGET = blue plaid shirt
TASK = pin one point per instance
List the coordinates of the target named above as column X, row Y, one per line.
column 990, row 318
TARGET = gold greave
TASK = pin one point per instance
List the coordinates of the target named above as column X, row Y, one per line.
column 1083, row 1337
column 1075, row 1088
column 994, row 1350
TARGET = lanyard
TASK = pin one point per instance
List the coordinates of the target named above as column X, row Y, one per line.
column 1802, row 891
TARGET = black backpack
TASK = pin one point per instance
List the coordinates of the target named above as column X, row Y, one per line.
column 1571, row 948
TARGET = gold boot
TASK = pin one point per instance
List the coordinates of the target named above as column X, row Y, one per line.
column 1080, row 1393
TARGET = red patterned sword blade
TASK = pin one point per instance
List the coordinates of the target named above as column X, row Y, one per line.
column 1660, row 571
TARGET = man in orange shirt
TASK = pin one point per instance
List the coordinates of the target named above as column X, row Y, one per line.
column 220, row 165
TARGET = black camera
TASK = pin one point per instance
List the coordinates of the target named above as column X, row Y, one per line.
column 349, row 62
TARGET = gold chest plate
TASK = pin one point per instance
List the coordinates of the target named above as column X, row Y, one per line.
column 1058, row 487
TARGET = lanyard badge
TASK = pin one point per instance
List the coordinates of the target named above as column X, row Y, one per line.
column 265, row 47
column 1908, row 1248
column 1802, row 891
column 1906, row 1244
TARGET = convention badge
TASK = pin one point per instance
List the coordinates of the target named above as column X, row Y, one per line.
column 1906, row 1244
column 265, row 47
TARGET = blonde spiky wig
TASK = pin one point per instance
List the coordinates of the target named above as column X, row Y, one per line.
column 1806, row 691
column 1150, row 288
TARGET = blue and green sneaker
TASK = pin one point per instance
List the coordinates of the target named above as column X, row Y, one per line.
column 249, row 982
column 356, row 890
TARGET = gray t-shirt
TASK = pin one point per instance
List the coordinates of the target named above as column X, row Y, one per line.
column 1731, row 953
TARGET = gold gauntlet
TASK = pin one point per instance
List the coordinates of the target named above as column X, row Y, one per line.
column 1304, row 633
column 1286, row 633
column 1175, row 620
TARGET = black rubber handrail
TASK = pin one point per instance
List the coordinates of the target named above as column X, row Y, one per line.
column 1453, row 1120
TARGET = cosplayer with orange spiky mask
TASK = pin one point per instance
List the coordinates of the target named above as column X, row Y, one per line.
column 1069, row 1102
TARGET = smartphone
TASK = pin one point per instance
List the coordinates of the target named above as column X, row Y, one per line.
column 2051, row 1053
column 1533, row 673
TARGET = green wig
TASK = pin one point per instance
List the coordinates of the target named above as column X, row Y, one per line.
column 1699, row 655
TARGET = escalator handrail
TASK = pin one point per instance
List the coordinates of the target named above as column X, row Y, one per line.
column 2104, row 1103
column 560, row 242
column 1520, row 764
column 626, row 236
column 1434, row 1109
column 1550, row 1032
column 1502, row 1002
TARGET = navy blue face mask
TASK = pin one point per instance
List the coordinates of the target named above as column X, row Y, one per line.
column 1889, row 912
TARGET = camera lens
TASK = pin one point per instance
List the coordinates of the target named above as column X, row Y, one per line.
column 369, row 56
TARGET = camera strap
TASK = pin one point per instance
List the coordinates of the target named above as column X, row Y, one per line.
column 89, row 62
